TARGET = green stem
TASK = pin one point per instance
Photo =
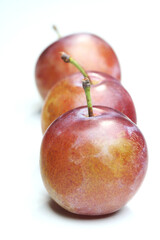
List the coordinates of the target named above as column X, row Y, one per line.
column 66, row 58
column 86, row 83
column 56, row 30
column 76, row 64
column 86, row 86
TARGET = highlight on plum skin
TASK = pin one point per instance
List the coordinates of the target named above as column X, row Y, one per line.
column 93, row 165
column 68, row 94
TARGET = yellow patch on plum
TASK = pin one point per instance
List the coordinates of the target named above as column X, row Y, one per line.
column 120, row 155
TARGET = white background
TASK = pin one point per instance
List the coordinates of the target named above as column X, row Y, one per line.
column 132, row 28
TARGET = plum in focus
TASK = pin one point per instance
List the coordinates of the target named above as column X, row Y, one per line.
column 93, row 165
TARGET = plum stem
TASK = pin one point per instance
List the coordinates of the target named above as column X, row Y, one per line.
column 56, row 30
column 86, row 82
column 86, row 86
column 67, row 59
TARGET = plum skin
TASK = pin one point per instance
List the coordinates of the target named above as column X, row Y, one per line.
column 68, row 94
column 93, row 165
column 92, row 52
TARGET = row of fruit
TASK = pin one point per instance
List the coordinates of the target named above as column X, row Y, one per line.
column 93, row 156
